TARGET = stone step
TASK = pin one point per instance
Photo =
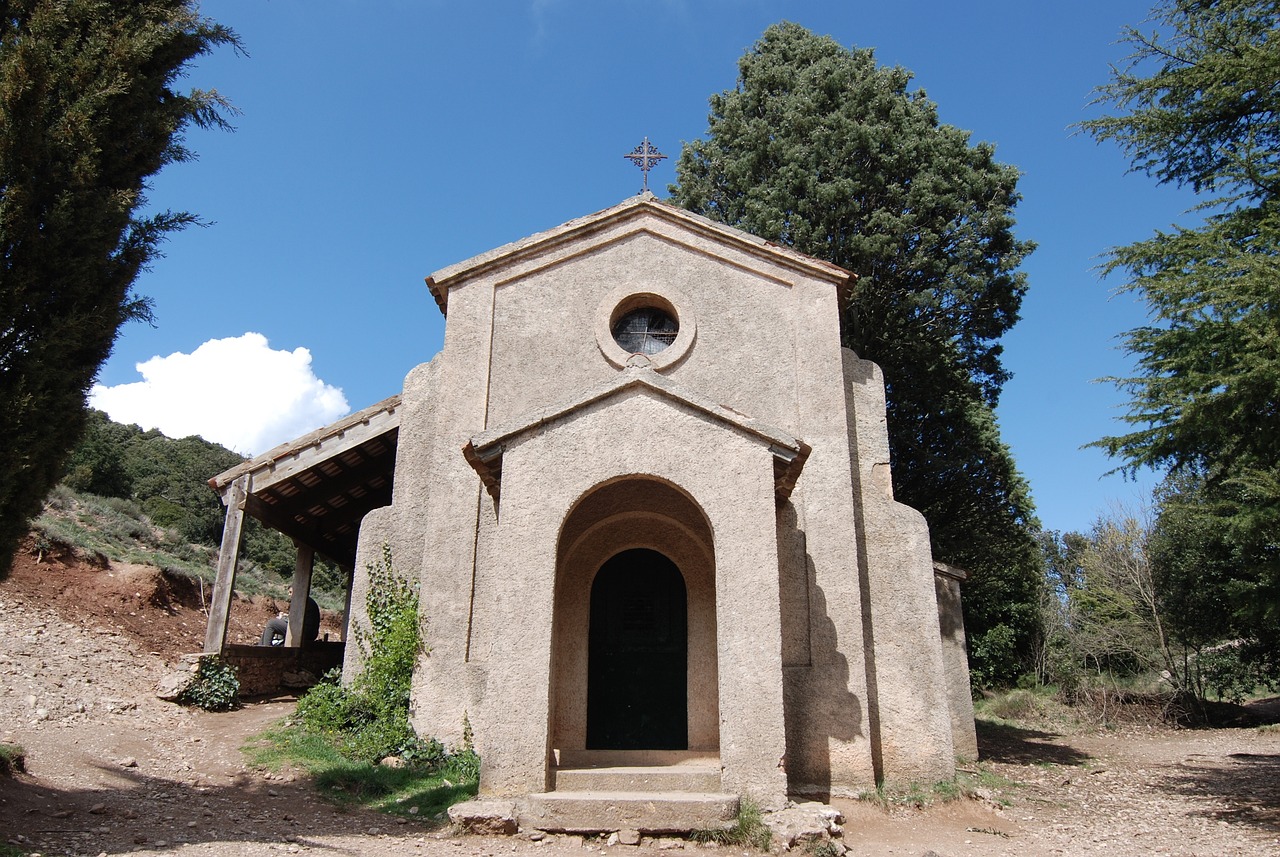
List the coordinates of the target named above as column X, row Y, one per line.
column 668, row 778
column 635, row 758
column 647, row 812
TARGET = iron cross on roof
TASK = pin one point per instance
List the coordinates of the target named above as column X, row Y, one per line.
column 645, row 156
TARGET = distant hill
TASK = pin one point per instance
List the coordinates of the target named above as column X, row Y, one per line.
column 128, row 491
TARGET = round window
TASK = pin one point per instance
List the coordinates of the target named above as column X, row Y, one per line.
column 643, row 327
column 647, row 330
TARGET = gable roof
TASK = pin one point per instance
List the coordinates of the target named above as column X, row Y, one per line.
column 633, row 207
column 484, row 451
column 317, row 488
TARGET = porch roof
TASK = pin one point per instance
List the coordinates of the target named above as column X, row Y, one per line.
column 317, row 488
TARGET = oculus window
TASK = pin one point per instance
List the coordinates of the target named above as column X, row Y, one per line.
column 647, row 330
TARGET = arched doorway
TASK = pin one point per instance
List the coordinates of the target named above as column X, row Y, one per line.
column 637, row 659
column 650, row 549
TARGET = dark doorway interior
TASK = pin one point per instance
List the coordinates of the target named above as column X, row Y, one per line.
column 638, row 650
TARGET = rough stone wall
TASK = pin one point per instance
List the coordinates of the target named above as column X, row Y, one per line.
column 498, row 363
column 398, row 526
column 377, row 529
column 747, row 313
column 446, row 511
column 829, row 748
column 413, row 487
column 906, row 679
column 956, row 658
column 262, row 670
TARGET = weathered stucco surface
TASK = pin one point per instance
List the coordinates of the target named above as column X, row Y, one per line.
column 956, row 659
column 751, row 452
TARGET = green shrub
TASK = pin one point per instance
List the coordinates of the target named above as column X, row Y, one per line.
column 342, row 732
column 993, row 660
column 1232, row 674
column 821, row 848
column 125, row 507
column 61, row 498
column 12, row 759
column 1021, row 704
column 368, row 720
column 215, row 686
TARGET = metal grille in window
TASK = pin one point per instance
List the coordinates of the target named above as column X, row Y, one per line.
column 645, row 331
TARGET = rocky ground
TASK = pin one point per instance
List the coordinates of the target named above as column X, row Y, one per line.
column 111, row 769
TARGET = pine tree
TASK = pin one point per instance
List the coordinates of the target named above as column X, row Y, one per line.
column 820, row 148
column 1198, row 106
column 88, row 112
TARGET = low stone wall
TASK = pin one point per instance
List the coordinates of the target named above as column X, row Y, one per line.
column 266, row 670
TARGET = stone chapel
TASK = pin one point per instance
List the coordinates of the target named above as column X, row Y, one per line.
column 646, row 493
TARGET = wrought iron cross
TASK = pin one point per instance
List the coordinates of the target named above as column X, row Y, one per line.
column 645, row 156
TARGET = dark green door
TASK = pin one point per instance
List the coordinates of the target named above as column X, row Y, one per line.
column 638, row 651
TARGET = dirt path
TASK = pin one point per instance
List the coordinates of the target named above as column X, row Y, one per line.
column 113, row 770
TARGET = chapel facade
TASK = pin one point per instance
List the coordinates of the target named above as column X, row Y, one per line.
column 646, row 493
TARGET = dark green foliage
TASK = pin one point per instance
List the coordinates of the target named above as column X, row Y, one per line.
column 1198, row 106
column 215, row 687
column 994, row 659
column 96, row 465
column 88, row 112
column 1218, row 600
column 821, row 149
column 170, row 478
column 368, row 720
column 1206, row 398
column 1198, row 102
column 1234, row 671
column 1196, row 567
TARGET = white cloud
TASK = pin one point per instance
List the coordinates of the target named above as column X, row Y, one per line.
column 237, row 392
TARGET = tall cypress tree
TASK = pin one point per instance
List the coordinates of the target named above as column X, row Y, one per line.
column 89, row 110
column 820, row 148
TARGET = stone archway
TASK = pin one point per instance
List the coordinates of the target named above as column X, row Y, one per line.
column 643, row 540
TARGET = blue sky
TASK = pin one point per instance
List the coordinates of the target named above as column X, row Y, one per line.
column 378, row 142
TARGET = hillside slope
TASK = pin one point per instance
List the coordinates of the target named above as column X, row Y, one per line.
column 164, row 612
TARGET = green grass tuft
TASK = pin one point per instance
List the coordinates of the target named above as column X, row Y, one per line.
column 824, row 848
column 12, row 759
column 971, row 782
column 749, row 829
